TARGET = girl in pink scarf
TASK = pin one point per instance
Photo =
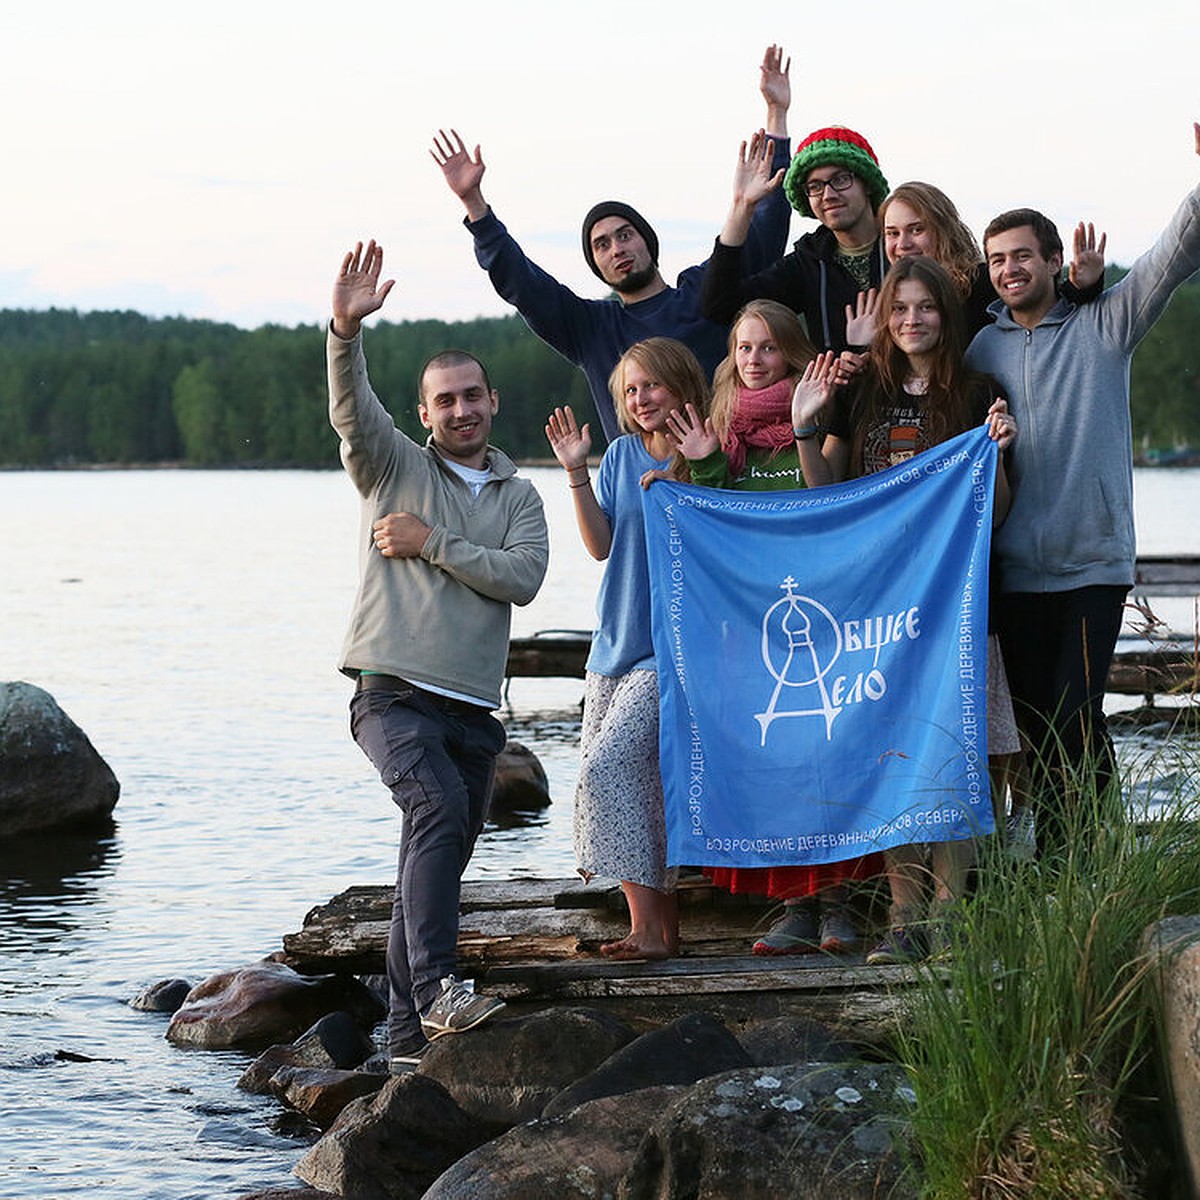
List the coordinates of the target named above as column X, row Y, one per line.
column 749, row 440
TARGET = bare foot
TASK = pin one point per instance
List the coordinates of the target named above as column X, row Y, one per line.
column 629, row 948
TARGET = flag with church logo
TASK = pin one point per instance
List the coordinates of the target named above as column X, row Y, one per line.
column 822, row 659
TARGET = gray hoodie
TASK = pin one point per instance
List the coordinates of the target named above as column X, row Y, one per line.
column 1071, row 522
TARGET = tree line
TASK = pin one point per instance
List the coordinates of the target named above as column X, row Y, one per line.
column 123, row 388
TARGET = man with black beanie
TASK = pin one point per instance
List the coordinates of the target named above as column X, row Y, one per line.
column 621, row 248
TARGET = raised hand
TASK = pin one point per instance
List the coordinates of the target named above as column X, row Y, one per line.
column 861, row 318
column 357, row 291
column 1087, row 262
column 693, row 435
column 1002, row 426
column 752, row 176
column 776, row 88
column 813, row 390
column 570, row 443
column 462, row 172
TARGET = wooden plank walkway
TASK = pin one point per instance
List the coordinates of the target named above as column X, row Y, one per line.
column 535, row 942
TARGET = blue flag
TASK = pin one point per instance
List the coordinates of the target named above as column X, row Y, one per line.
column 822, row 659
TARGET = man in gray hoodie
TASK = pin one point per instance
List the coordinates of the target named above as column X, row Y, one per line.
column 1066, row 552
column 450, row 538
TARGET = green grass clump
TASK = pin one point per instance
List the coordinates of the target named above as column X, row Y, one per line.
column 1028, row 1045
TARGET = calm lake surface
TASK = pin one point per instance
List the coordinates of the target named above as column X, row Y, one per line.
column 190, row 623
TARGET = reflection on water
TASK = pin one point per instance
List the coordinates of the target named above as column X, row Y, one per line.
column 47, row 867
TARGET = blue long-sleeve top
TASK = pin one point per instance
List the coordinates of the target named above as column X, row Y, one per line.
column 593, row 334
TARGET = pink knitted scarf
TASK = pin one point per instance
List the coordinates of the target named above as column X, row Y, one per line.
column 760, row 418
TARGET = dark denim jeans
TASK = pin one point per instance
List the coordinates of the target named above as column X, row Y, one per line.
column 1058, row 647
column 438, row 758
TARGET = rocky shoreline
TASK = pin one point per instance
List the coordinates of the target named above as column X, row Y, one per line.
column 707, row 1096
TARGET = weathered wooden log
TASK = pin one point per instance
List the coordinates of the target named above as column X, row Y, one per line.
column 536, row 942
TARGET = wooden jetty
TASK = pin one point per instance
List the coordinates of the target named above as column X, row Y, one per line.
column 535, row 942
column 1148, row 666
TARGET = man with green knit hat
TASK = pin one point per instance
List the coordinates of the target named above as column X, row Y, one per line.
column 834, row 177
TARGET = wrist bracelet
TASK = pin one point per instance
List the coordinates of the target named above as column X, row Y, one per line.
column 803, row 435
column 583, row 484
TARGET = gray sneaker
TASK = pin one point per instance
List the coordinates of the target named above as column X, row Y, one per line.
column 838, row 935
column 794, row 933
column 457, row 1009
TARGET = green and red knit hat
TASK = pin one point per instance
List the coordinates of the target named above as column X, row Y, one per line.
column 843, row 147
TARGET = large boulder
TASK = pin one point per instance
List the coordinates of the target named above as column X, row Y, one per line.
column 812, row 1131
column 581, row 1156
column 263, row 1004
column 393, row 1145
column 51, row 776
column 506, row 1072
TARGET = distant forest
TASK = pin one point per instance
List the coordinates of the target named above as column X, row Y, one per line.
column 121, row 388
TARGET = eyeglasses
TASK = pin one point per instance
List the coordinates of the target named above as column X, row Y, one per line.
column 841, row 182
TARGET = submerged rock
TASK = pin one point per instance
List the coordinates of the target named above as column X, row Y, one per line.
column 165, row 996
column 51, row 776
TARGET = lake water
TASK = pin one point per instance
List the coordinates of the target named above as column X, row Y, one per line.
column 190, row 623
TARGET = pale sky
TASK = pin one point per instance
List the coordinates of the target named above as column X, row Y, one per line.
column 215, row 159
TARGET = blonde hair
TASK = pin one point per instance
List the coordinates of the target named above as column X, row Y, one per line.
column 672, row 364
column 954, row 246
column 786, row 330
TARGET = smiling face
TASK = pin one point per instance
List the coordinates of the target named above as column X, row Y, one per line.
column 457, row 408
column 621, row 255
column 1023, row 279
column 847, row 213
column 906, row 232
column 915, row 321
column 760, row 362
column 647, row 401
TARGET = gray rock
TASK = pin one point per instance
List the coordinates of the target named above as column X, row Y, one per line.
column 321, row 1095
column 335, row 1042
column 688, row 1049
column 580, row 1156
column 506, row 1071
column 520, row 784
column 801, row 1132
column 393, row 1145
column 794, row 1040
column 51, row 777
column 264, row 1004
column 165, row 996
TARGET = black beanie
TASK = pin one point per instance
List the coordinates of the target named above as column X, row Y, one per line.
column 615, row 208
